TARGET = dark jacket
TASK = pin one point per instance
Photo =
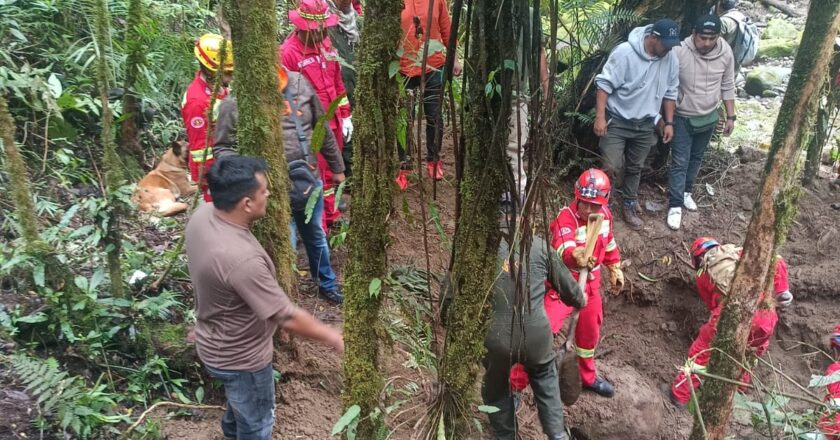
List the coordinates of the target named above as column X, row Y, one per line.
column 309, row 111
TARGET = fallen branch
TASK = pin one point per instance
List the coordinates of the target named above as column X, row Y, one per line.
column 782, row 6
column 159, row 404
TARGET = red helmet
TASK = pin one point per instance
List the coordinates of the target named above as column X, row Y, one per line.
column 835, row 337
column 593, row 186
column 700, row 246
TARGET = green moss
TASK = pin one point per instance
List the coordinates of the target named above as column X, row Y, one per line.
column 259, row 130
column 776, row 48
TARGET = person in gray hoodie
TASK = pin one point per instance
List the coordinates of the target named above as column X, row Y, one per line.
column 641, row 76
column 707, row 76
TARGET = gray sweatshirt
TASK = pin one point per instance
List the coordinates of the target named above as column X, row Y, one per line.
column 705, row 80
column 637, row 82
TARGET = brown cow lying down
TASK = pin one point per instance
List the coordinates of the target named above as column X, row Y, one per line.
column 157, row 191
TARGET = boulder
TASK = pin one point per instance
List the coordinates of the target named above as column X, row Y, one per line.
column 776, row 48
column 778, row 28
column 765, row 78
column 635, row 412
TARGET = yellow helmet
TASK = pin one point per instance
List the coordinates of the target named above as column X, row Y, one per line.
column 207, row 50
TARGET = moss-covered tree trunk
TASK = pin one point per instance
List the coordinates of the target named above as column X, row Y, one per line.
column 129, row 140
column 260, row 133
column 114, row 177
column 18, row 180
column 774, row 212
column 374, row 167
column 485, row 170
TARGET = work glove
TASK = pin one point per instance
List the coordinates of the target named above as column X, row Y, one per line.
column 581, row 260
column 784, row 299
column 347, row 129
column 616, row 277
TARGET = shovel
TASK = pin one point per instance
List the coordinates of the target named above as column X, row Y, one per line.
column 570, row 384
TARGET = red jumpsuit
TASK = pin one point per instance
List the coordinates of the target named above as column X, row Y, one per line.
column 321, row 67
column 711, row 295
column 568, row 231
column 194, row 113
column 830, row 423
column 762, row 326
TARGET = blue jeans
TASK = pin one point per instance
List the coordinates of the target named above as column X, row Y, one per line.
column 315, row 241
column 687, row 152
column 250, row 403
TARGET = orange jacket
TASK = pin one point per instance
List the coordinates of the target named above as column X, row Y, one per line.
column 412, row 46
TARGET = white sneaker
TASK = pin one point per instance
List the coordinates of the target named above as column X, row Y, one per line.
column 688, row 202
column 674, row 218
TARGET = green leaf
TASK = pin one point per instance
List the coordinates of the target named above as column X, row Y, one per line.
column 199, row 394
column 338, row 192
column 351, row 414
column 375, row 287
column 488, row 409
column 38, row 275
column 81, row 282
column 393, row 68
column 647, row 278
column 310, row 203
column 510, row 64
column 33, row 319
column 54, row 85
column 488, row 89
column 821, row 381
column 16, row 33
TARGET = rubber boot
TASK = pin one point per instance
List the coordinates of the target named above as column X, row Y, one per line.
column 601, row 387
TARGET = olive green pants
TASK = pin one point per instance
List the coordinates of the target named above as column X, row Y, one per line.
column 530, row 344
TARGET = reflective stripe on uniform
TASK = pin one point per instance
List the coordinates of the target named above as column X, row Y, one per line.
column 566, row 245
column 834, row 402
column 585, row 352
column 344, row 101
column 612, row 245
column 329, row 192
column 202, row 155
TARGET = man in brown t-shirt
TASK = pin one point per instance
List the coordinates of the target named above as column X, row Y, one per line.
column 238, row 303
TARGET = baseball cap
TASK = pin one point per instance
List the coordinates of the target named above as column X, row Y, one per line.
column 707, row 24
column 668, row 32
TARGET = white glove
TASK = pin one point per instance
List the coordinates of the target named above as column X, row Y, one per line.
column 347, row 129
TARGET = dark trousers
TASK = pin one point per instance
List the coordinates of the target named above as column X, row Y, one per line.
column 533, row 348
column 431, row 109
column 687, row 152
column 624, row 149
column 250, row 403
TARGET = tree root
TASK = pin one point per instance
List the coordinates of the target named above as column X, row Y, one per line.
column 159, row 404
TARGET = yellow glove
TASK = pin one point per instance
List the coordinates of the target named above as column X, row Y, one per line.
column 581, row 260
column 616, row 277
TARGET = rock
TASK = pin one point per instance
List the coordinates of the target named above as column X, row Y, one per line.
column 746, row 203
column 778, row 28
column 635, row 412
column 749, row 154
column 764, row 78
column 776, row 48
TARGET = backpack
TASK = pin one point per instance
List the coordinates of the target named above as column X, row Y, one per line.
column 720, row 262
column 745, row 44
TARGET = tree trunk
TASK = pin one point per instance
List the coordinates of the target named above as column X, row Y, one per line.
column 259, row 132
column 485, row 177
column 19, row 181
column 129, row 142
column 816, row 143
column 774, row 212
column 114, row 177
column 375, row 149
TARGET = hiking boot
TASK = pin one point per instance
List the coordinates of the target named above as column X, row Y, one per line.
column 435, row 170
column 784, row 299
column 688, row 202
column 342, row 206
column 631, row 216
column 674, row 218
column 601, row 387
column 334, row 296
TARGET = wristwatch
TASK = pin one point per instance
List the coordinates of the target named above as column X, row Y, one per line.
column 731, row 118
column 669, row 123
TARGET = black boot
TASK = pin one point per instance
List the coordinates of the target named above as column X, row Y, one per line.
column 333, row 296
column 601, row 387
